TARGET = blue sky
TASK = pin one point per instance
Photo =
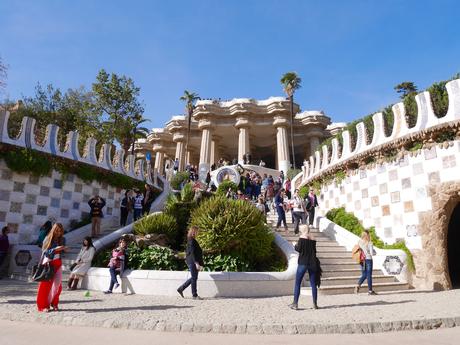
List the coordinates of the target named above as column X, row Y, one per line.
column 349, row 53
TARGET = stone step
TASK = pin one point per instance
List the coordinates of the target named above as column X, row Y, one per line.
column 338, row 266
column 355, row 272
column 333, row 254
column 337, row 260
column 332, row 249
column 351, row 280
column 349, row 289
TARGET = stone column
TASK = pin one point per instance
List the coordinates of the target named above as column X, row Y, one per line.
column 159, row 164
column 242, row 123
column 214, row 149
column 179, row 139
column 205, row 151
column 314, row 143
column 281, row 123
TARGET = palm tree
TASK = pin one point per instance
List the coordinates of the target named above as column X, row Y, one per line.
column 190, row 98
column 291, row 82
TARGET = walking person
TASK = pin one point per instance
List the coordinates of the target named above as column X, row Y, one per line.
column 96, row 204
column 148, row 199
column 312, row 202
column 83, row 263
column 367, row 250
column 307, row 262
column 194, row 260
column 117, row 264
column 279, row 204
column 126, row 206
column 138, row 205
column 298, row 211
column 4, row 246
column 49, row 291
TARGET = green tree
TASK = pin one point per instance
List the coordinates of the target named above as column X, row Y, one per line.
column 117, row 99
column 189, row 98
column 405, row 88
column 291, row 82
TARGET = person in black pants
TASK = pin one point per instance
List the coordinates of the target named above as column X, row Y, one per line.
column 125, row 207
column 306, row 246
column 279, row 204
column 194, row 260
column 312, row 202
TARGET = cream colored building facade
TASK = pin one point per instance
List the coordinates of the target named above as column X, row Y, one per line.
column 234, row 128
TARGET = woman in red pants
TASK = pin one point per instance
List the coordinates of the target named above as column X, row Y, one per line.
column 49, row 291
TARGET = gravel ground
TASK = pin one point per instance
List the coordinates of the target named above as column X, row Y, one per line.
column 337, row 314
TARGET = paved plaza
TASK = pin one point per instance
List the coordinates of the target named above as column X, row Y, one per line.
column 338, row 314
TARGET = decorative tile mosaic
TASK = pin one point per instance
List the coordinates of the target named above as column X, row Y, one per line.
column 357, row 205
column 78, row 188
column 109, row 211
column 373, row 180
column 5, row 195
column 386, row 210
column 70, row 177
column 76, row 205
column 395, row 197
column 57, row 184
column 7, row 174
column 2, row 216
column 349, row 197
column 86, row 198
column 430, row 153
column 31, row 199
column 405, row 183
column 434, row 177
column 383, row 188
column 64, row 213
column 13, row 227
column 449, row 162
column 34, row 179
column 421, row 193
column 55, row 202
column 44, row 191
column 19, row 187
column 96, row 191
column 104, row 185
column 393, row 175
column 408, row 206
column 417, row 168
column 375, row 201
column 28, row 219
column 111, row 195
column 42, row 210
column 117, row 203
column 364, row 193
column 67, row 195
column 388, row 232
column 15, row 207
column 362, row 174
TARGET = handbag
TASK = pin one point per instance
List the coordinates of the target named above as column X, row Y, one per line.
column 42, row 272
column 356, row 254
column 72, row 267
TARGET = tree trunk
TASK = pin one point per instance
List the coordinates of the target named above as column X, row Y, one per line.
column 291, row 99
column 189, row 125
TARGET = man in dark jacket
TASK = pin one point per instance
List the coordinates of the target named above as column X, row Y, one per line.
column 96, row 204
column 4, row 246
column 312, row 202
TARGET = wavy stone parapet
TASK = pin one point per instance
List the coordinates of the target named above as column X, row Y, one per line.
column 426, row 119
column 26, row 138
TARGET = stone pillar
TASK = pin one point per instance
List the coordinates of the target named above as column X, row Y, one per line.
column 205, row 151
column 314, row 143
column 242, row 123
column 159, row 164
column 179, row 139
column 215, row 149
column 281, row 123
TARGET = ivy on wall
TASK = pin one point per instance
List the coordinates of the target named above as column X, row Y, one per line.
column 23, row 160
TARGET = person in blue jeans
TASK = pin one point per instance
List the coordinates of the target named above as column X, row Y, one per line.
column 307, row 262
column 279, row 204
column 194, row 260
column 367, row 251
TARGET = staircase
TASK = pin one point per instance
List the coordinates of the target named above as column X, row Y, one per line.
column 340, row 272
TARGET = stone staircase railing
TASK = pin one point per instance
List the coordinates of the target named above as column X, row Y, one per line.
column 426, row 119
column 138, row 169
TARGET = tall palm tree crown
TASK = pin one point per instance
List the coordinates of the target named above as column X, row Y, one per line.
column 190, row 98
column 291, row 82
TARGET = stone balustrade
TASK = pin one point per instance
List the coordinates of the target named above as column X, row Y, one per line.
column 320, row 162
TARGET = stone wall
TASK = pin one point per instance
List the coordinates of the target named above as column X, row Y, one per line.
column 27, row 201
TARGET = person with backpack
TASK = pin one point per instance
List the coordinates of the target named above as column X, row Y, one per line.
column 367, row 250
column 43, row 232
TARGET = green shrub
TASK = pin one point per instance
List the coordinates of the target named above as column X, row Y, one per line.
column 225, row 263
column 411, row 109
column 291, row 173
column 157, row 223
column 178, row 178
column 27, row 161
column 439, row 98
column 224, row 186
column 187, row 194
column 349, row 222
column 153, row 258
column 233, row 227
column 303, row 191
column 388, row 120
column 180, row 211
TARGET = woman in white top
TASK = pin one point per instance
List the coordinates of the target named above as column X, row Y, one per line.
column 367, row 250
column 83, row 263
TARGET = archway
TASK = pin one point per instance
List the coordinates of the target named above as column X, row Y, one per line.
column 453, row 247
